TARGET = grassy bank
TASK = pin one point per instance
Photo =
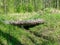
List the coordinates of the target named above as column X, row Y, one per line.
column 43, row 34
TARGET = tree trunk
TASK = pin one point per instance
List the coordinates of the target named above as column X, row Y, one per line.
column 25, row 22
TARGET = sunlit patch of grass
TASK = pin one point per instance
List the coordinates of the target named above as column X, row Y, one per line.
column 20, row 16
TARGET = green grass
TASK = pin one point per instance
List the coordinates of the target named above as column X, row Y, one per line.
column 43, row 34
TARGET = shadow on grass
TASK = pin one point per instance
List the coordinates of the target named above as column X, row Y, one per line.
column 1, row 43
column 10, row 38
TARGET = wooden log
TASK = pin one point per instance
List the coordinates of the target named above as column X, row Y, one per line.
column 26, row 22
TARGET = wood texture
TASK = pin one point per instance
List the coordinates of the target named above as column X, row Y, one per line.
column 26, row 22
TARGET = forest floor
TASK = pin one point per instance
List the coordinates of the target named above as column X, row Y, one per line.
column 42, row 34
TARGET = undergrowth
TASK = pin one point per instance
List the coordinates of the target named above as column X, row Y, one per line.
column 43, row 34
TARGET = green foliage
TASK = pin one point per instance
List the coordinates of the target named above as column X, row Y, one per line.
column 49, row 31
column 17, row 6
column 30, row 8
column 14, row 6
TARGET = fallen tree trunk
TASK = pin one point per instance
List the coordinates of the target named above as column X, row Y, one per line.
column 26, row 22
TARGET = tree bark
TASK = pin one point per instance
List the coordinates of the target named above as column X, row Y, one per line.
column 26, row 22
